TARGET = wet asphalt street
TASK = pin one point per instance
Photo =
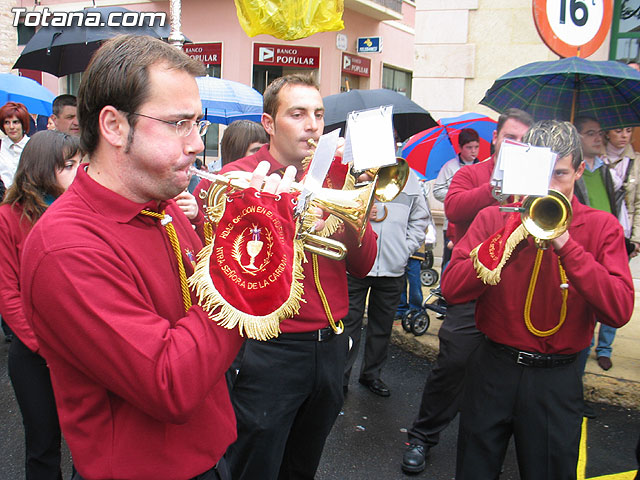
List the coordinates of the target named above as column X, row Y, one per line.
column 367, row 439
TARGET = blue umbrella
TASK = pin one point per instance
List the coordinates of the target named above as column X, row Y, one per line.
column 224, row 101
column 23, row 90
column 570, row 87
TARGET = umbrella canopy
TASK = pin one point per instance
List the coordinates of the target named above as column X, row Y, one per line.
column 570, row 87
column 408, row 116
column 428, row 151
column 66, row 50
column 23, row 90
column 224, row 101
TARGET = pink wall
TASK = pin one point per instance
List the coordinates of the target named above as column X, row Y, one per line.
column 216, row 21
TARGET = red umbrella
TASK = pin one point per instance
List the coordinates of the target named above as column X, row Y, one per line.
column 428, row 150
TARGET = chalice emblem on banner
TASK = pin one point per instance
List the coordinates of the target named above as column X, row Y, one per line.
column 253, row 247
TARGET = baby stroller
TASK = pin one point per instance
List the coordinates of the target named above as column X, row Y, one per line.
column 428, row 276
column 418, row 321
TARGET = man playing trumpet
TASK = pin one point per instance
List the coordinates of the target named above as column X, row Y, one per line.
column 523, row 380
column 288, row 390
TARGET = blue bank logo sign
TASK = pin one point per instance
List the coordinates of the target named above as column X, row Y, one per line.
column 369, row 44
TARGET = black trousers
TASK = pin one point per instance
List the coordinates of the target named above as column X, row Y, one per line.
column 540, row 407
column 384, row 297
column 286, row 397
column 219, row 472
column 442, row 392
column 31, row 382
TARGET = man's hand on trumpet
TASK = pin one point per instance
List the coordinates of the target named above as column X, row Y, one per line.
column 275, row 184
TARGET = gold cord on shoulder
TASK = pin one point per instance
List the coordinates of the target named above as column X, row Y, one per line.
column 167, row 223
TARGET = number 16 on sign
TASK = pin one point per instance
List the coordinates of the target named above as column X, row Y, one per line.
column 573, row 27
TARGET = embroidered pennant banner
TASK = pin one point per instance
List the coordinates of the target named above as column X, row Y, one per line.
column 491, row 255
column 250, row 274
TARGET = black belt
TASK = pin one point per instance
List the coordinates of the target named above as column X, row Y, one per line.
column 533, row 359
column 321, row 335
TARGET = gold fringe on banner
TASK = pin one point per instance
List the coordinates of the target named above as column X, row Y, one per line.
column 492, row 277
column 258, row 327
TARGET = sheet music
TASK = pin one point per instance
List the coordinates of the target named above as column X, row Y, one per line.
column 526, row 169
column 369, row 138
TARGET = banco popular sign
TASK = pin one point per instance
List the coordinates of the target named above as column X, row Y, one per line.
column 207, row 53
column 286, row 55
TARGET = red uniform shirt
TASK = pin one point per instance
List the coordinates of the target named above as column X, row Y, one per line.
column 333, row 279
column 139, row 384
column 13, row 231
column 597, row 268
column 468, row 193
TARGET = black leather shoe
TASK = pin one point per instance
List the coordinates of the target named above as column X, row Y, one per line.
column 413, row 460
column 377, row 386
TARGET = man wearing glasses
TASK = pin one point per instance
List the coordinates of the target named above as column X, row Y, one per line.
column 137, row 371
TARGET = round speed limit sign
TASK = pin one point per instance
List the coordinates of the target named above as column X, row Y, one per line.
column 573, row 27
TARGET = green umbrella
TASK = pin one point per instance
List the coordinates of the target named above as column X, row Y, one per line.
column 570, row 87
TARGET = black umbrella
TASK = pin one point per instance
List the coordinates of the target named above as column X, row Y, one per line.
column 408, row 116
column 66, row 50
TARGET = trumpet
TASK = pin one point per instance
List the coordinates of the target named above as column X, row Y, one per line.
column 544, row 218
column 351, row 206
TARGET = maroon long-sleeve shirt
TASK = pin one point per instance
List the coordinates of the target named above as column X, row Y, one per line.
column 597, row 268
column 139, row 384
column 332, row 273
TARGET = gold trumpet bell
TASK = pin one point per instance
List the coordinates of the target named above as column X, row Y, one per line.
column 546, row 218
column 392, row 180
column 350, row 206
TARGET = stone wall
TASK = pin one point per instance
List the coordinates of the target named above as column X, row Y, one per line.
column 8, row 36
column 463, row 46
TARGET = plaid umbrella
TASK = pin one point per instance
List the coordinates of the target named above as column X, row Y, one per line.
column 224, row 101
column 570, row 87
column 427, row 151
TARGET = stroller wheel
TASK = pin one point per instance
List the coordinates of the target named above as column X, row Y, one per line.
column 420, row 323
column 429, row 277
column 406, row 320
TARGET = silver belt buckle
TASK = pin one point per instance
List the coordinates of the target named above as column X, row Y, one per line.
column 319, row 335
column 525, row 355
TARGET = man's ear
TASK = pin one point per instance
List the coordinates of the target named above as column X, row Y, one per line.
column 580, row 170
column 268, row 123
column 113, row 125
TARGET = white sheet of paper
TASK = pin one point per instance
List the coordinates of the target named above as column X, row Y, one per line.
column 527, row 169
column 369, row 138
column 321, row 161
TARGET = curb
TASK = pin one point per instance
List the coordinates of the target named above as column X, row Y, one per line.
column 597, row 388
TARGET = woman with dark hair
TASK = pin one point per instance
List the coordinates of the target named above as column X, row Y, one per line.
column 47, row 167
column 14, row 123
column 241, row 139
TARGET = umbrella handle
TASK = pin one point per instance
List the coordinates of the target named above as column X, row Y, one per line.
column 53, row 39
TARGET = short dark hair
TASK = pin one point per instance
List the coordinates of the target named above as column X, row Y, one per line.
column 237, row 138
column 581, row 120
column 561, row 137
column 62, row 101
column 514, row 114
column 44, row 154
column 10, row 109
column 118, row 75
column 271, row 102
column 467, row 135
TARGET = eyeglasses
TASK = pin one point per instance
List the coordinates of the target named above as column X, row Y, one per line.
column 593, row 133
column 183, row 127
